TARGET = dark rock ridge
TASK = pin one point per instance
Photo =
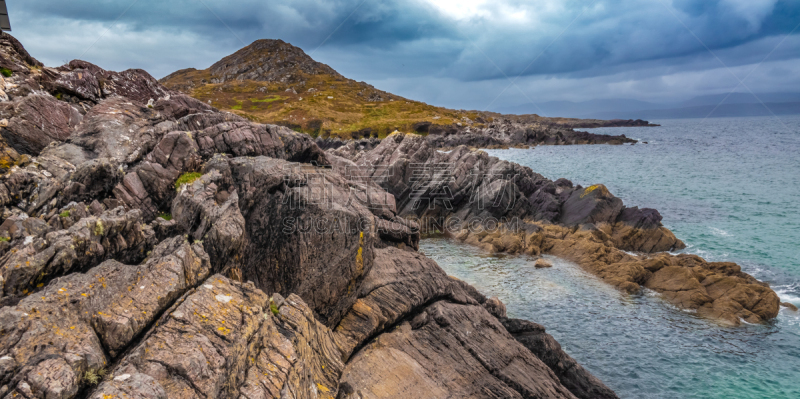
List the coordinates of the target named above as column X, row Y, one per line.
column 154, row 247
column 595, row 123
column 503, row 133
column 504, row 207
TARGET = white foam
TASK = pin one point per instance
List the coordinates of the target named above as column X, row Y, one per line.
column 743, row 321
column 788, row 296
column 719, row 232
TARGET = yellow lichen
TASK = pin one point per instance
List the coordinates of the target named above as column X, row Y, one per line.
column 360, row 255
column 589, row 190
column 98, row 228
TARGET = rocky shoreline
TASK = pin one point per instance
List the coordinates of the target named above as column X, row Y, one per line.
column 154, row 247
column 504, row 207
column 502, row 133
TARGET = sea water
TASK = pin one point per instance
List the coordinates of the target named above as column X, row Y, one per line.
column 729, row 188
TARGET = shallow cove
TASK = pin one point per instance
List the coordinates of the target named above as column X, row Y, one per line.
column 638, row 345
column 728, row 187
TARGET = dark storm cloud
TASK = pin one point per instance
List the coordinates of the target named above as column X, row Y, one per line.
column 422, row 48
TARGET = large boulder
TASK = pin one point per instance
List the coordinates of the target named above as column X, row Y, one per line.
column 308, row 234
column 594, row 204
column 35, row 121
column 211, row 215
column 119, row 129
column 89, row 82
column 641, row 230
column 399, row 284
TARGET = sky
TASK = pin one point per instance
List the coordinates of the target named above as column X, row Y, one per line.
column 463, row 54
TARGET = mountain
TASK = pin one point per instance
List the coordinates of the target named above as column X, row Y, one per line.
column 271, row 81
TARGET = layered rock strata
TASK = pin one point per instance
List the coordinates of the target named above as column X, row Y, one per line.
column 504, row 207
column 154, row 247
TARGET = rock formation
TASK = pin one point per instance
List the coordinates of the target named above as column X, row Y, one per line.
column 274, row 82
column 152, row 246
column 504, row 207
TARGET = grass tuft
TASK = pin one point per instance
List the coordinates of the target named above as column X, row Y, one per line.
column 273, row 307
column 6, row 72
column 166, row 216
column 94, row 376
column 187, row 178
column 64, row 214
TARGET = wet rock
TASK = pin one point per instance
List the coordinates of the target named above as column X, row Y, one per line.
column 542, row 263
column 789, row 306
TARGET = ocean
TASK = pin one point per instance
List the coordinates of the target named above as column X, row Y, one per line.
column 729, row 188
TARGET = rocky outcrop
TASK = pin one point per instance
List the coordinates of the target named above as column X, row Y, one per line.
column 58, row 341
column 230, row 340
column 37, row 120
column 138, row 248
column 417, row 359
column 571, row 374
column 505, row 133
column 84, row 81
column 266, row 60
column 36, row 259
column 500, row 134
column 504, row 207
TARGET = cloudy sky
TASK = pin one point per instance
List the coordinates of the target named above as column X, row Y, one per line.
column 472, row 54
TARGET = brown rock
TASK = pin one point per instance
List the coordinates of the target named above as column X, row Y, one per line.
column 89, row 242
column 542, row 263
column 37, row 120
column 55, row 337
column 571, row 374
column 223, row 340
column 433, row 357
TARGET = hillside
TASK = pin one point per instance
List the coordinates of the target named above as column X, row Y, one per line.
column 271, row 81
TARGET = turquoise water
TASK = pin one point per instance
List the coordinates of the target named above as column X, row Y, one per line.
column 729, row 189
